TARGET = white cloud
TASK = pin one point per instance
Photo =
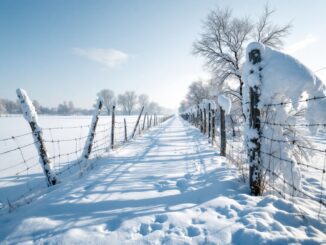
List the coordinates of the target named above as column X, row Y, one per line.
column 111, row 58
column 308, row 40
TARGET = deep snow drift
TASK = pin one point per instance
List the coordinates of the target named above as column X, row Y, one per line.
column 166, row 187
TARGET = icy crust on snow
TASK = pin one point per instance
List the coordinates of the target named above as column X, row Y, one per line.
column 279, row 78
column 225, row 103
column 27, row 106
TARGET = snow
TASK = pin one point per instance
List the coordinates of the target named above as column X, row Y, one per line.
column 30, row 115
column 285, row 78
column 279, row 78
column 18, row 177
column 167, row 187
column 225, row 103
column 27, row 106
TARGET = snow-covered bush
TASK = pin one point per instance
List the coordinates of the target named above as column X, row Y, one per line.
column 284, row 84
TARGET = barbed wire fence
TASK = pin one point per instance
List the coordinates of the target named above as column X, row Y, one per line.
column 21, row 177
column 309, row 152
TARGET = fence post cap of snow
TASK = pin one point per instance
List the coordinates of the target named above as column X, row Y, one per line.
column 27, row 106
column 224, row 102
column 255, row 52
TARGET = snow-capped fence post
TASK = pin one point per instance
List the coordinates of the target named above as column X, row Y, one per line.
column 91, row 135
column 137, row 123
column 112, row 126
column 222, row 129
column 125, row 127
column 255, row 175
column 30, row 115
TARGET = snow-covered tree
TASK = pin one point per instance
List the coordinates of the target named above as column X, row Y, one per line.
column 197, row 91
column 108, row 99
column 224, row 38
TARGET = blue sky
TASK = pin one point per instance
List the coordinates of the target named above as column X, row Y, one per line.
column 69, row 50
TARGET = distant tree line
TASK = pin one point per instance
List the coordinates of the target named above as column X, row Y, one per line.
column 128, row 103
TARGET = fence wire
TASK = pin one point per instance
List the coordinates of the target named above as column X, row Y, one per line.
column 308, row 152
column 21, row 174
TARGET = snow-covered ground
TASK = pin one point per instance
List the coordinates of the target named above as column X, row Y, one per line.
column 167, row 187
column 65, row 136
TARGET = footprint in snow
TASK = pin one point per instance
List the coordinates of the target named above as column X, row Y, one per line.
column 162, row 185
column 198, row 221
column 145, row 229
column 156, row 226
column 193, row 231
column 161, row 218
column 182, row 185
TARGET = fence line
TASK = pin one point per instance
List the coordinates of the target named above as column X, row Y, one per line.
column 313, row 169
column 21, row 179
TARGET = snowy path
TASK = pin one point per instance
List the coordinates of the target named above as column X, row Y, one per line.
column 168, row 186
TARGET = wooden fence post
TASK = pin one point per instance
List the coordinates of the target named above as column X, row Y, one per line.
column 112, row 126
column 136, row 125
column 209, row 120
column 150, row 121
column 255, row 175
column 223, row 134
column 30, row 115
column 213, row 126
column 201, row 121
column 144, row 120
column 125, row 126
column 90, row 138
column 197, row 116
column 205, row 121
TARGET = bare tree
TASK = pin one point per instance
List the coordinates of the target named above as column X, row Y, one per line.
column 224, row 38
column 197, row 91
column 143, row 100
column 128, row 101
column 268, row 33
column 183, row 106
column 108, row 99
column 153, row 107
column 37, row 106
column 66, row 108
column 2, row 108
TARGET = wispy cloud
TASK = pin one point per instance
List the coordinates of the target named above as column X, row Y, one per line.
column 111, row 58
column 308, row 40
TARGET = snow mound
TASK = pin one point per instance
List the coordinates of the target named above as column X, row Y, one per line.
column 225, row 103
column 284, row 85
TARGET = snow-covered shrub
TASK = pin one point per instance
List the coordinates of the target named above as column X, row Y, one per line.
column 284, row 84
